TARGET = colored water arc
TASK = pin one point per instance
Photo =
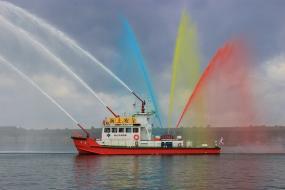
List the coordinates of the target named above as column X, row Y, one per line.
column 135, row 52
column 28, row 79
column 62, row 37
column 57, row 60
column 221, row 53
column 185, row 67
column 227, row 88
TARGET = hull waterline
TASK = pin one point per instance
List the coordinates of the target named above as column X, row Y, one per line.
column 90, row 146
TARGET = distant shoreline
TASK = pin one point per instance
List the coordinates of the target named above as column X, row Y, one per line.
column 237, row 139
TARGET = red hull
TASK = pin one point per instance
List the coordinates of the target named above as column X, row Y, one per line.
column 90, row 146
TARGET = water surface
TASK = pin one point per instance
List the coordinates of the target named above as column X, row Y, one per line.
column 70, row 171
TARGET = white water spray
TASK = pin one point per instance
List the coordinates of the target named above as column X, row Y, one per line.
column 57, row 60
column 62, row 37
column 28, row 79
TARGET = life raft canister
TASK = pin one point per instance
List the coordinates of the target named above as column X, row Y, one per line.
column 136, row 137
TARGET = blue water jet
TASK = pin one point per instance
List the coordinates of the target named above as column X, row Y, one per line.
column 133, row 58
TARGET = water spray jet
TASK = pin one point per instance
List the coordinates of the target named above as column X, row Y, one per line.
column 57, row 60
column 220, row 53
column 28, row 79
column 66, row 40
column 185, row 67
column 133, row 52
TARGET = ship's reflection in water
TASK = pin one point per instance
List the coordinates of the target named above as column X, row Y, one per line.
column 252, row 171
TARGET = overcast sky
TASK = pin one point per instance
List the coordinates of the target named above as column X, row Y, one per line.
column 95, row 26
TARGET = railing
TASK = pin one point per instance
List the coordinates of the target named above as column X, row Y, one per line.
column 128, row 143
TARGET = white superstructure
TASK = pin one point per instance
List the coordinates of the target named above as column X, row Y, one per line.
column 135, row 130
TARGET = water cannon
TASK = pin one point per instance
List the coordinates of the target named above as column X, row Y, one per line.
column 142, row 101
column 113, row 113
column 84, row 130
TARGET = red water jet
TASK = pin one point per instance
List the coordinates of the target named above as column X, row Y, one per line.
column 225, row 86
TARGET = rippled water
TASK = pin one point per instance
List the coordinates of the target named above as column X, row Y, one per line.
column 70, row 171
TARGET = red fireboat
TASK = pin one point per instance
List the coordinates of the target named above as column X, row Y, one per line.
column 132, row 135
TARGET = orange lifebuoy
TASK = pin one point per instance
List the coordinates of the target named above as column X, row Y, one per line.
column 136, row 137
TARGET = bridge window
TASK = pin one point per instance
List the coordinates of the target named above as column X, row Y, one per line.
column 114, row 130
column 121, row 130
column 135, row 130
column 128, row 130
column 107, row 130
